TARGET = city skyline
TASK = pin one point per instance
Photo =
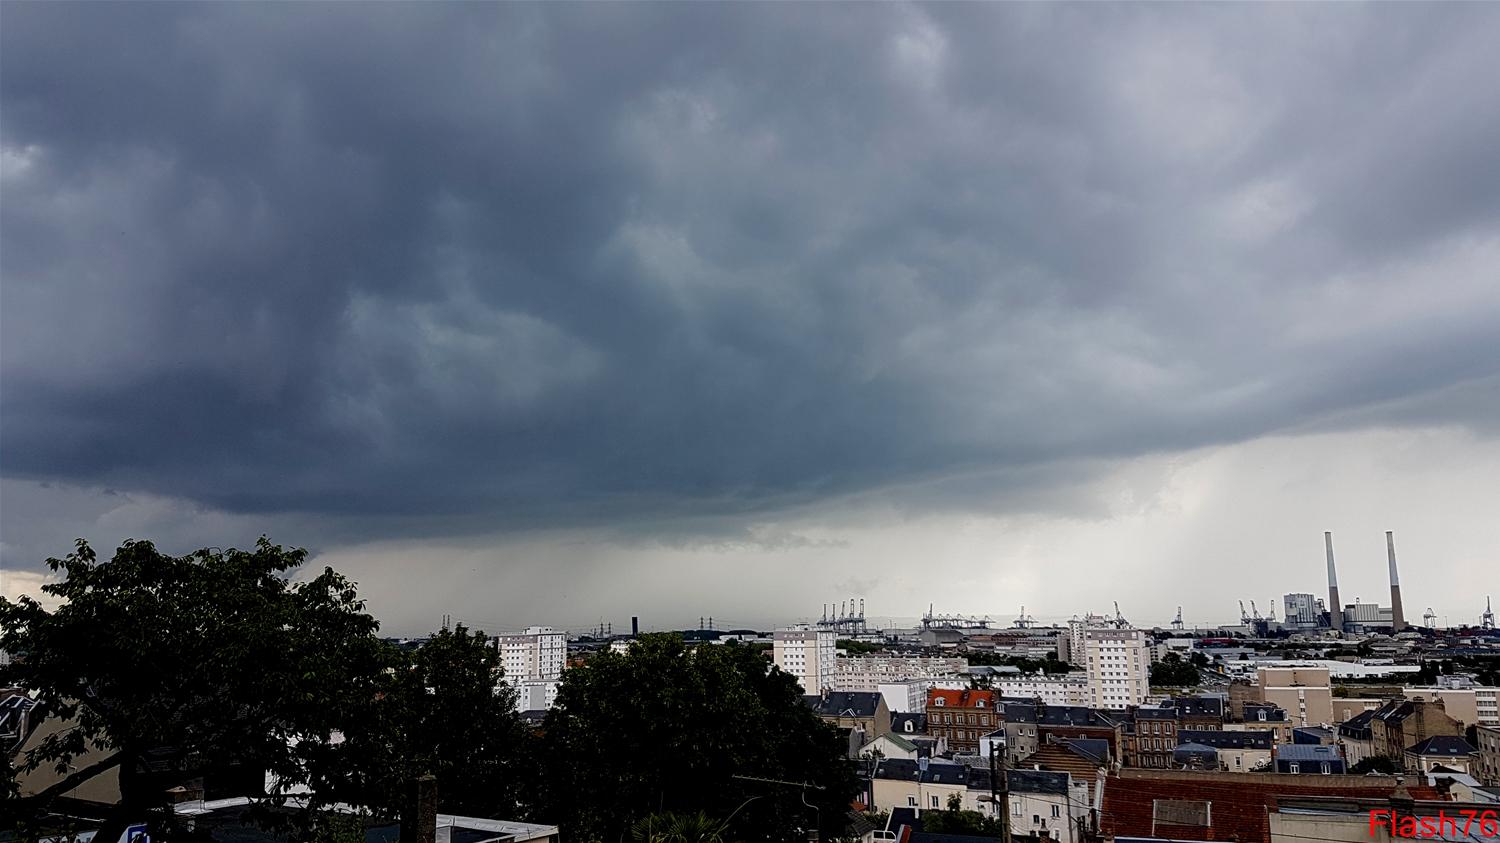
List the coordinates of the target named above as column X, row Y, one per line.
column 534, row 314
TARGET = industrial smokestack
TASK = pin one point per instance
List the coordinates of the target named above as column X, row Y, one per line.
column 635, row 626
column 1335, row 608
column 1398, row 620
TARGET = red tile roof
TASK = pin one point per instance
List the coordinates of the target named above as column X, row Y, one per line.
column 1240, row 802
column 960, row 699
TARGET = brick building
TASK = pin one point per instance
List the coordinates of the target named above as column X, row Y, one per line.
column 961, row 717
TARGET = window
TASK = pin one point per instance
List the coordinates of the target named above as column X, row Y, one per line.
column 1292, row 767
column 911, row 801
column 1015, row 809
column 908, row 726
column 1056, row 812
column 940, row 701
column 935, row 802
column 1325, row 768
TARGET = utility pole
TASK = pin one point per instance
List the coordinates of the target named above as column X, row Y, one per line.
column 1000, row 790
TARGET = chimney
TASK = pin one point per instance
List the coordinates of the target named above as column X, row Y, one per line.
column 1335, row 608
column 419, row 814
column 1398, row 620
column 635, row 626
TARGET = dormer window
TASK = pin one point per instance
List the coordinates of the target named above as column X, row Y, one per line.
column 979, row 703
column 1262, row 715
column 940, row 702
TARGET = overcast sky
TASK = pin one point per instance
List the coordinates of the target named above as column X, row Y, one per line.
column 562, row 314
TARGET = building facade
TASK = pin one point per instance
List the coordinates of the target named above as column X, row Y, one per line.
column 1487, row 756
column 1303, row 692
column 538, row 653
column 961, row 717
column 1117, row 662
column 808, row 654
column 868, row 673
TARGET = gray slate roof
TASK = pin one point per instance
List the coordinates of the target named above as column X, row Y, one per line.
column 1449, row 745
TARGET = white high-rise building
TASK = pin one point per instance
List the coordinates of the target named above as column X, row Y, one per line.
column 533, row 662
column 1117, row 660
column 808, row 654
column 538, row 653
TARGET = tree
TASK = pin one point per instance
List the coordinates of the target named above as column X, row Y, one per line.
column 958, row 821
column 443, row 710
column 1173, row 671
column 1375, row 764
column 666, row 728
column 211, row 664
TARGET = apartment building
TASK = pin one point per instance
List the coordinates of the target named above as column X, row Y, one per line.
column 1118, row 664
column 961, row 717
column 810, row 655
column 1303, row 692
column 1071, row 688
column 868, row 673
column 533, row 662
column 1476, row 705
column 538, row 653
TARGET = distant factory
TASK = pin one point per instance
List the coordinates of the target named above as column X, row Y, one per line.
column 1303, row 611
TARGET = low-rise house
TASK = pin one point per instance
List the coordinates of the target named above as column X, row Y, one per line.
column 1448, row 751
column 1309, row 759
column 1357, row 738
column 909, row 723
column 1195, row 756
column 1238, row 752
column 1265, row 716
column 1401, row 723
column 1083, row 759
column 924, row 785
column 893, row 745
column 863, row 714
column 1313, row 735
column 1046, row 804
column 1200, row 712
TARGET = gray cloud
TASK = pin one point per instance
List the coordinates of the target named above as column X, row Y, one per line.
column 397, row 271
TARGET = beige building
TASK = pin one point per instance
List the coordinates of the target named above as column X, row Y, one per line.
column 901, row 783
column 1303, row 692
column 868, row 673
column 808, row 654
column 1348, row 708
column 1469, row 706
column 1118, row 665
column 1071, row 688
column 1487, row 761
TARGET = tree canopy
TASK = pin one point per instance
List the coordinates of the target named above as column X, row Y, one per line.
column 667, row 728
column 210, row 664
column 222, row 665
column 1173, row 671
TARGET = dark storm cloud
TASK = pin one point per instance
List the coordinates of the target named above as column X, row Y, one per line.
column 432, row 266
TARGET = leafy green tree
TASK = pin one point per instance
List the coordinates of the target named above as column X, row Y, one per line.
column 958, row 821
column 1375, row 764
column 211, row 664
column 666, row 728
column 1173, row 671
column 442, row 710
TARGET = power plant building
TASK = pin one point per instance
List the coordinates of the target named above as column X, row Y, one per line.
column 1357, row 616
